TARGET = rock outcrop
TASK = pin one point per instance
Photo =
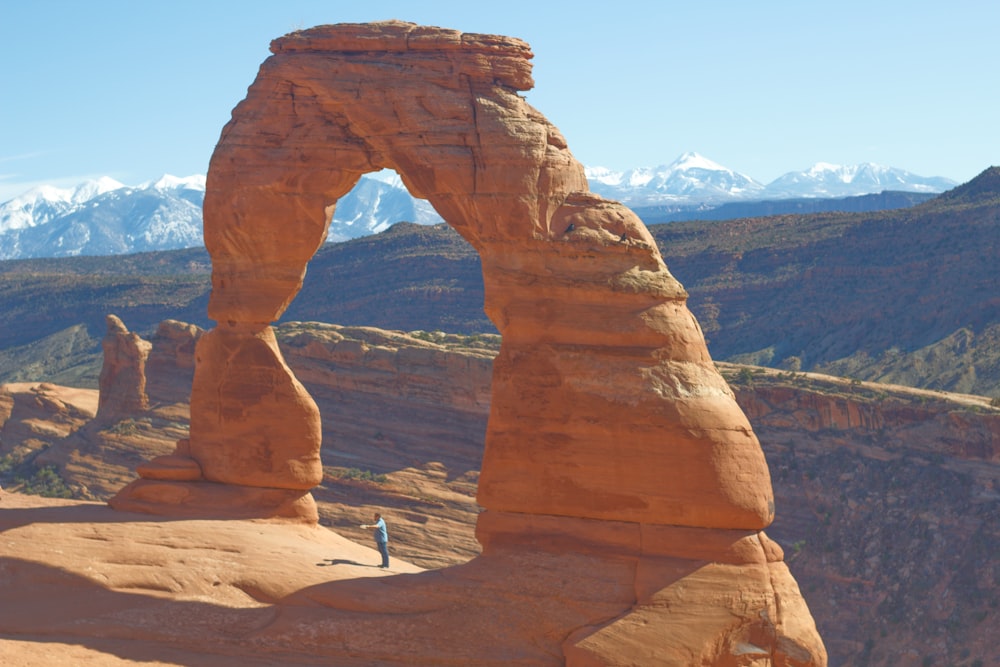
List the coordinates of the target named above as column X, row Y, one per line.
column 123, row 374
column 611, row 434
column 170, row 367
column 36, row 415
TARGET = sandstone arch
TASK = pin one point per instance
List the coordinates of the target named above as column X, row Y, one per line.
column 610, row 425
column 605, row 402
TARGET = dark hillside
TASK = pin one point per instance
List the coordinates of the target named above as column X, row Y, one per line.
column 407, row 278
column 984, row 189
column 42, row 297
column 869, row 294
column 52, row 311
column 888, row 199
column 910, row 296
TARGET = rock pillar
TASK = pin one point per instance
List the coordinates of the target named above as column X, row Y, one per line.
column 123, row 372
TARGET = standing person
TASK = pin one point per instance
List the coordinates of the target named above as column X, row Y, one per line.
column 381, row 538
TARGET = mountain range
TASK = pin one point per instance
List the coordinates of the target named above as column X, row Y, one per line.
column 905, row 296
column 105, row 217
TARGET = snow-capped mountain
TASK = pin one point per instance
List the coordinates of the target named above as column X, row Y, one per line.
column 831, row 180
column 693, row 180
column 689, row 178
column 40, row 205
column 104, row 217
column 377, row 202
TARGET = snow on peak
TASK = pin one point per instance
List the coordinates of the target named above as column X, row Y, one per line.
column 43, row 193
column 822, row 167
column 90, row 189
column 692, row 160
column 603, row 175
column 387, row 176
column 54, row 195
column 169, row 182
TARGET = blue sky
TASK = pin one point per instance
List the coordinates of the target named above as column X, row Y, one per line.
column 134, row 90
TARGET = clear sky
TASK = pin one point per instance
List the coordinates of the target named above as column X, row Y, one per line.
column 134, row 89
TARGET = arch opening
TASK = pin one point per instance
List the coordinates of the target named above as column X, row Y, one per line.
column 379, row 200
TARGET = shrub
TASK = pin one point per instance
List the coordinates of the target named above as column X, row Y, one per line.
column 45, row 482
column 9, row 462
column 124, row 427
column 363, row 475
column 745, row 377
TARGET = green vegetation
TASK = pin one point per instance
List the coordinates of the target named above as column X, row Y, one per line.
column 18, row 473
column 744, row 377
column 8, row 463
column 124, row 427
column 45, row 482
column 360, row 475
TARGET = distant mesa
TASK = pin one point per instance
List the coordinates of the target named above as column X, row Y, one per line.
column 624, row 491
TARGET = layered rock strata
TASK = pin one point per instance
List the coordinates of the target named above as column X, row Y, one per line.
column 610, row 430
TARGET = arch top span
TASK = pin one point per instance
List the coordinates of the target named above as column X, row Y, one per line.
column 507, row 58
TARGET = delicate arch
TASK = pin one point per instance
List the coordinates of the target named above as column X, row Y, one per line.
column 605, row 403
column 615, row 452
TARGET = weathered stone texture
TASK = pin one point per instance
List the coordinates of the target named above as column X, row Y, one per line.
column 123, row 374
column 607, row 414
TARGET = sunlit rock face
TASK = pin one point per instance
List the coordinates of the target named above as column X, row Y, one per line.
column 610, row 430
column 123, row 374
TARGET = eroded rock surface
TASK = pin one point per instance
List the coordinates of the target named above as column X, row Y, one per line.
column 170, row 366
column 123, row 374
column 610, row 435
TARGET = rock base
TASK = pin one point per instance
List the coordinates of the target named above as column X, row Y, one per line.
column 209, row 500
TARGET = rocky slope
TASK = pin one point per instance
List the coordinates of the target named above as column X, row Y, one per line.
column 887, row 497
column 908, row 297
column 890, row 507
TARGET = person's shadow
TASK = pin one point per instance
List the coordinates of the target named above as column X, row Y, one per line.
column 342, row 561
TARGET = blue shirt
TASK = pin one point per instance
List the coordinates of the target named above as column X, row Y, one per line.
column 381, row 536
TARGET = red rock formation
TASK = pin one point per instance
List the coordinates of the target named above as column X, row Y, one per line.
column 36, row 415
column 123, row 374
column 170, row 367
column 610, row 430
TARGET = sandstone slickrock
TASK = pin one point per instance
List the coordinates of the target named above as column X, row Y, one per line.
column 611, row 434
column 35, row 415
